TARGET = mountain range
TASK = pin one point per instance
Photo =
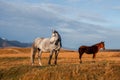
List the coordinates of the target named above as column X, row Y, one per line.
column 12, row 43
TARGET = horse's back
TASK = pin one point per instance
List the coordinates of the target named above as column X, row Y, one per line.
column 37, row 41
column 82, row 49
column 44, row 44
column 83, row 46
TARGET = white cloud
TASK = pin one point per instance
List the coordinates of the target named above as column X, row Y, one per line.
column 27, row 21
column 116, row 7
column 74, row 0
column 92, row 17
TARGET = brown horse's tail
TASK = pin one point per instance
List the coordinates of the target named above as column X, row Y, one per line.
column 80, row 50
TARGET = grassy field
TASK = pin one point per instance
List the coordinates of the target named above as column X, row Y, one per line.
column 15, row 65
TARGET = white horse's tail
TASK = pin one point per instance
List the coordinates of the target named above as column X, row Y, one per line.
column 33, row 52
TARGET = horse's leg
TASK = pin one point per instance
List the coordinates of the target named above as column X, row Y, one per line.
column 94, row 55
column 81, row 51
column 33, row 52
column 56, row 55
column 39, row 57
column 80, row 57
column 50, row 57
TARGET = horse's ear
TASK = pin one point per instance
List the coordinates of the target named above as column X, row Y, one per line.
column 53, row 30
column 102, row 41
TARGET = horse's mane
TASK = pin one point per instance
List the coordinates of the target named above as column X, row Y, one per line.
column 97, row 43
column 59, row 39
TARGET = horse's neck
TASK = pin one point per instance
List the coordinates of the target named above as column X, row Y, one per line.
column 52, row 39
column 99, row 47
column 95, row 45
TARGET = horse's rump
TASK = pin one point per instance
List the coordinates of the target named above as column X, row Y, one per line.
column 36, row 42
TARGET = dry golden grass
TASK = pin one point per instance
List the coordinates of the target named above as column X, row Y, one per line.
column 15, row 65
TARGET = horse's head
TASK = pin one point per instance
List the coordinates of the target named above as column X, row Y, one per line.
column 102, row 45
column 55, row 37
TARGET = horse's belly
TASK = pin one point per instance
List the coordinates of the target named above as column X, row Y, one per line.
column 91, row 51
column 45, row 50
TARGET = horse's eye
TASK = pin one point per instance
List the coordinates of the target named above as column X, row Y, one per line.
column 54, row 34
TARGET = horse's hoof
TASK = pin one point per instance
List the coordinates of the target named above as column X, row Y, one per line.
column 40, row 64
column 49, row 63
column 32, row 64
column 55, row 63
column 93, row 61
column 80, row 62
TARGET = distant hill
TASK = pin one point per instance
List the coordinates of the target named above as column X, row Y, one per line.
column 8, row 43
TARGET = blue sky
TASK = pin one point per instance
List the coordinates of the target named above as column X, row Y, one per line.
column 80, row 22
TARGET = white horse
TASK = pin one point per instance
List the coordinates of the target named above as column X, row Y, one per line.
column 52, row 45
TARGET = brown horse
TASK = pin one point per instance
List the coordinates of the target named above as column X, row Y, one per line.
column 90, row 49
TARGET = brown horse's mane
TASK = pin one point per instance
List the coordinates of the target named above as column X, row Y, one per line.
column 98, row 43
